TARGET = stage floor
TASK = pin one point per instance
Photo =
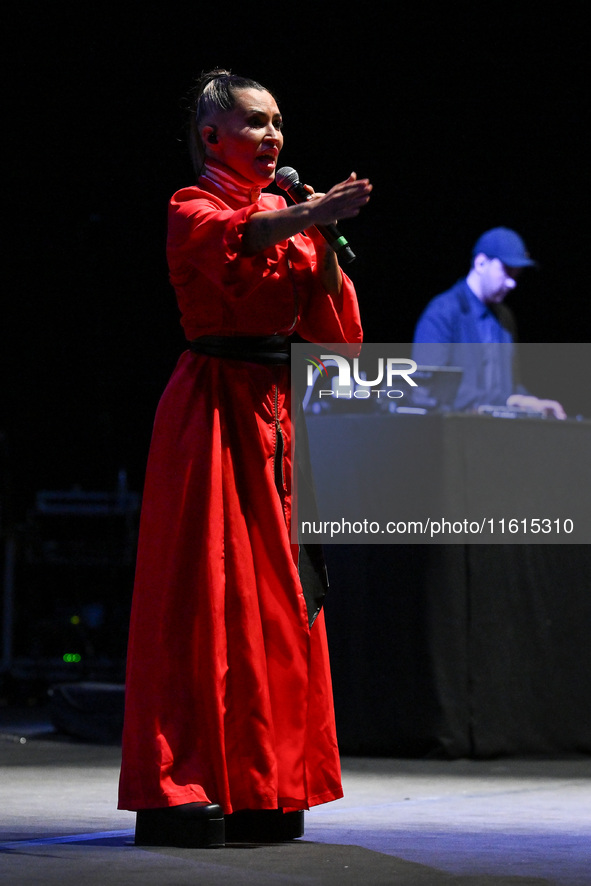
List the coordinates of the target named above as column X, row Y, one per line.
column 408, row 822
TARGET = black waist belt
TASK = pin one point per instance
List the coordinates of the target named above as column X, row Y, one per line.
column 251, row 348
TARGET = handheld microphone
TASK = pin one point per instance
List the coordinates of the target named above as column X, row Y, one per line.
column 288, row 180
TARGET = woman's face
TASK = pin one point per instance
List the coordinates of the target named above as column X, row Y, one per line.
column 248, row 138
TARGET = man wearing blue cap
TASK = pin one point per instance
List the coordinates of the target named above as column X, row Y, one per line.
column 472, row 312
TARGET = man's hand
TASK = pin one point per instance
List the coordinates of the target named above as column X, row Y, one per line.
column 535, row 404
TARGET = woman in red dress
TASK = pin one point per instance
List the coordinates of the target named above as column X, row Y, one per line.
column 229, row 724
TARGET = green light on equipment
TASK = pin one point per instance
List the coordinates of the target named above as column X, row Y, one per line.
column 72, row 656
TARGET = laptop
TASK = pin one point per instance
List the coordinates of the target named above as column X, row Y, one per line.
column 437, row 387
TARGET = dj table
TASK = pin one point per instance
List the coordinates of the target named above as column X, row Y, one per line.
column 460, row 648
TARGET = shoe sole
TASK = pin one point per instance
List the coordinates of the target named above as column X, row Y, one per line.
column 190, row 826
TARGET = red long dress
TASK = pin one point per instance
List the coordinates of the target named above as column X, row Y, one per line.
column 228, row 691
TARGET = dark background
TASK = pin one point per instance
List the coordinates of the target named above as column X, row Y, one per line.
column 463, row 119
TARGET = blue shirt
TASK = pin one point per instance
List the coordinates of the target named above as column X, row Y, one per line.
column 457, row 329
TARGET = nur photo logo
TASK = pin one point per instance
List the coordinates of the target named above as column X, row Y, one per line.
column 351, row 376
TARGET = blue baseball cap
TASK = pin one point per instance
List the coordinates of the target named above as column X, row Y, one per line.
column 506, row 245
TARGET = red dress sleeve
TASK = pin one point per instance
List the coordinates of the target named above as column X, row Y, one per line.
column 324, row 318
column 223, row 292
column 204, row 234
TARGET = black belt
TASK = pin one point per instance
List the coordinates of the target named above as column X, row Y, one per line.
column 251, row 348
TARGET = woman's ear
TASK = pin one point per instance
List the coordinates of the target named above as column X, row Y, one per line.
column 209, row 135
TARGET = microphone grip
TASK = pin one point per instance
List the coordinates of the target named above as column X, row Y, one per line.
column 333, row 236
column 331, row 233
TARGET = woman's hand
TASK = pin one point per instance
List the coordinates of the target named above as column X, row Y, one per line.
column 344, row 200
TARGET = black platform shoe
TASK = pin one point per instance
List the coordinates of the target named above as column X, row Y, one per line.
column 264, row 826
column 191, row 825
